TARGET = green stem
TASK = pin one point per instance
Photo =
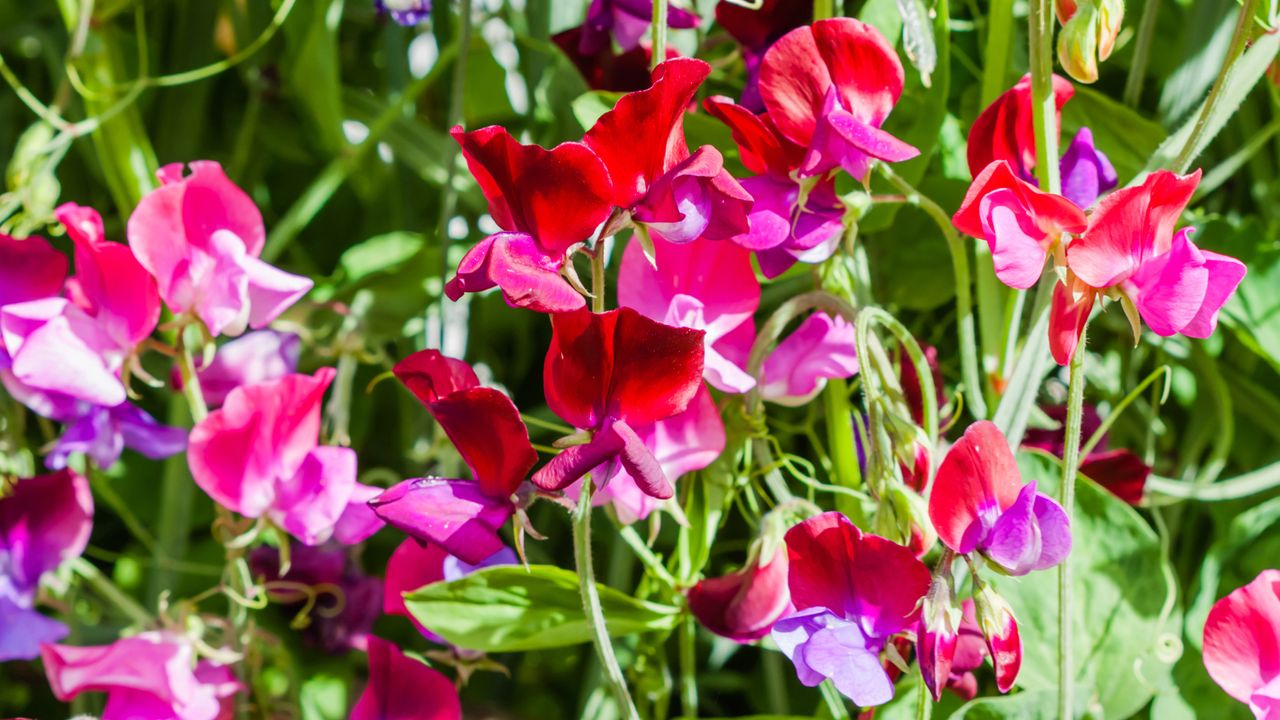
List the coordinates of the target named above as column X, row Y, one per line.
column 597, row 277
column 591, row 604
column 689, row 667
column 449, row 193
column 1262, row 480
column 1237, row 47
column 834, row 700
column 1141, row 53
column 1044, row 110
column 651, row 562
column 822, row 9
column 107, row 590
column 658, row 34
column 995, row 66
column 1070, row 463
column 924, row 703
column 964, row 298
column 349, row 341
column 191, row 382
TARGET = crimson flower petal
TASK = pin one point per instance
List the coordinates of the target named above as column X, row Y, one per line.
column 29, row 269
column 657, row 369
column 1049, row 211
column 743, row 605
column 431, row 375
column 516, row 263
column 1068, row 313
column 402, row 688
column 977, row 479
column 1003, row 131
column 760, row 145
column 123, row 294
column 1120, row 471
column 485, row 426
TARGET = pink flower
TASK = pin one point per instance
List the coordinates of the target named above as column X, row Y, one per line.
column 680, row 196
column 610, row 373
column 744, row 605
column 853, row 592
column 978, row 503
column 149, row 675
column 545, row 201
column 200, row 236
column 259, row 455
column 1130, row 249
column 462, row 516
column 414, row 565
column 401, row 688
column 1019, row 222
column 821, row 348
column 44, row 521
column 1242, row 644
column 252, row 358
column 828, row 87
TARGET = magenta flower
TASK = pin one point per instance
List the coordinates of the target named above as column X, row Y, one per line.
column 744, row 605
column 414, row 565
column 821, row 348
column 1020, row 223
column 790, row 221
column 259, row 455
column 347, row 601
column 1130, row 249
column 702, row 285
column 828, row 87
column 102, row 433
column 627, row 21
column 402, row 688
column 685, row 442
column 150, row 675
column 853, row 592
column 1242, row 644
column 978, row 503
column 949, row 645
column 44, row 521
column 545, row 201
column 462, row 516
column 200, row 236
column 679, row 196
column 252, row 358
column 610, row 373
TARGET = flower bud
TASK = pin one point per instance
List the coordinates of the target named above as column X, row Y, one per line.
column 1000, row 628
column 938, row 635
column 1089, row 35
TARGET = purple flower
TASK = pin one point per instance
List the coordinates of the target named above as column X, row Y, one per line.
column 44, row 521
column 348, row 601
column 627, row 21
column 253, row 358
column 404, row 12
column 102, row 433
column 1086, row 172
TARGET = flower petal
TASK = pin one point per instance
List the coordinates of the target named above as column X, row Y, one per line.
column 822, row 347
column 1242, row 637
column 516, row 263
column 485, row 427
column 431, row 375
column 402, row 688
column 454, row 514
column 30, row 269
column 977, row 479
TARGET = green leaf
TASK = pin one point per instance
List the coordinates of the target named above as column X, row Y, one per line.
column 508, row 609
column 1126, row 137
column 311, row 73
column 1252, row 312
column 1122, row 583
column 588, row 107
column 323, row 697
column 1039, row 705
column 379, row 253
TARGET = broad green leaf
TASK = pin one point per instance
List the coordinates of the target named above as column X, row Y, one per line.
column 1119, row 626
column 1126, row 137
column 1253, row 311
column 379, row 253
column 509, row 609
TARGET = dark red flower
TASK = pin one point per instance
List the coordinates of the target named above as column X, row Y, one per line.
column 743, row 605
column 608, row 69
column 1003, row 131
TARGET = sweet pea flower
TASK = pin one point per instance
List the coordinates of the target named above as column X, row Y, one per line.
column 405, row 12
column 853, row 592
column 1000, row 630
column 462, row 516
column 702, row 285
column 44, row 521
column 402, row 688
column 102, row 433
column 1019, row 222
column 414, row 565
column 756, row 29
column 149, row 675
column 608, row 373
column 347, row 601
column 677, row 195
column 255, row 357
column 828, row 88
column 545, row 201
column 821, row 348
column 627, row 21
column 1004, row 130
column 259, row 455
column 200, row 236
column 744, row 605
column 978, row 503
column 607, row 69
column 1241, row 641
column 685, row 442
column 938, row 635
column 1118, row 470
column 792, row 219
column 1130, row 250
column 1085, row 172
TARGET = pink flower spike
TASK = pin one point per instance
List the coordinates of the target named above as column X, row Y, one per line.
column 1241, row 637
column 200, row 237
column 151, row 675
column 402, row 688
column 29, row 270
column 821, row 347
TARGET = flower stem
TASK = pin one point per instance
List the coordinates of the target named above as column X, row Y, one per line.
column 449, row 193
column 1238, row 39
column 995, row 66
column 689, row 667
column 924, row 706
column 658, row 34
column 1067, row 495
column 1043, row 103
column 107, row 590
column 1141, row 53
column 597, row 277
column 191, row 382
column 591, row 604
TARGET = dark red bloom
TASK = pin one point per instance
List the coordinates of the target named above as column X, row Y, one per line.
column 608, row 372
column 608, row 69
column 743, row 605
column 1004, row 130
column 1118, row 470
column 546, row 201
column 758, row 29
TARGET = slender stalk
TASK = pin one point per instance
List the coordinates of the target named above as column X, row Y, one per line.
column 1070, row 463
column 823, row 9
column 1264, row 479
column 191, row 383
column 591, row 604
column 924, row 704
column 964, row 298
column 1044, row 111
column 1141, row 53
column 658, row 34
column 107, row 590
column 597, row 277
column 449, row 193
column 689, row 667
column 1238, row 39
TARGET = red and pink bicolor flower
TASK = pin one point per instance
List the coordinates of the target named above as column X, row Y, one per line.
column 403, row 688
column 200, row 237
column 609, row 373
column 461, row 516
column 828, row 87
column 259, row 455
column 545, row 201
column 756, row 30
column 999, row 628
column 853, row 592
column 979, row 504
column 1242, row 644
column 743, row 605
column 677, row 195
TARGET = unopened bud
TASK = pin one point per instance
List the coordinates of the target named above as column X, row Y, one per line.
column 938, row 635
column 1088, row 36
column 1000, row 629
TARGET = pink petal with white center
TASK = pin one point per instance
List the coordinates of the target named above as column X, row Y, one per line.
column 821, row 347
